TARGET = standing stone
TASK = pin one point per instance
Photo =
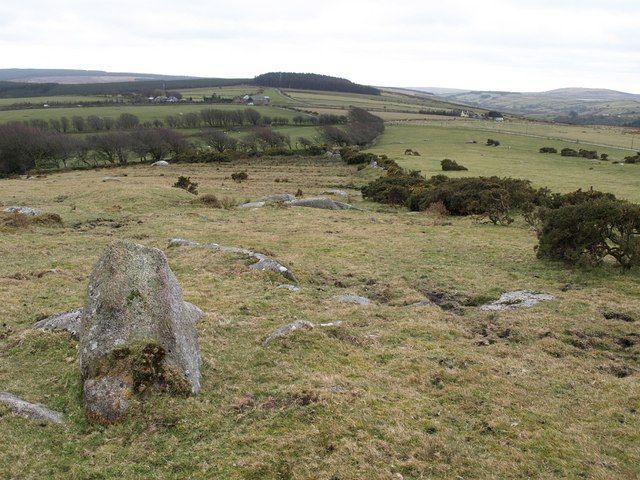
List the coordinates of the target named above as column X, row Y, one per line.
column 137, row 334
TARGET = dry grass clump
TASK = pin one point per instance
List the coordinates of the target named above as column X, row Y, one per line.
column 212, row 201
column 17, row 221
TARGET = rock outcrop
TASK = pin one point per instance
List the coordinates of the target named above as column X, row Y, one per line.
column 137, row 333
column 517, row 299
column 352, row 298
column 28, row 211
column 160, row 163
column 320, row 202
column 32, row 411
column 263, row 262
column 65, row 321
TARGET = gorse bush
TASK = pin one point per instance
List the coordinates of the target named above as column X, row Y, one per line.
column 239, row 177
column 491, row 197
column 588, row 232
column 632, row 158
column 492, row 143
column 451, row 165
column 548, row 150
column 352, row 156
column 185, row 183
column 568, row 152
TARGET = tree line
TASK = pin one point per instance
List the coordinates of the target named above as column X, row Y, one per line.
column 312, row 81
column 205, row 118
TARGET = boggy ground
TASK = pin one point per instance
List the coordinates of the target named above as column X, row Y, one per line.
column 417, row 392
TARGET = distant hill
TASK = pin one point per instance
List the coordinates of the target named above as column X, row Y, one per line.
column 67, row 76
column 572, row 105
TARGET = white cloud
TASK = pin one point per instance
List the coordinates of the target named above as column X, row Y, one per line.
column 508, row 45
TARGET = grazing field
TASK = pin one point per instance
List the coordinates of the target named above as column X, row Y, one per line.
column 143, row 112
column 53, row 99
column 395, row 391
column 517, row 156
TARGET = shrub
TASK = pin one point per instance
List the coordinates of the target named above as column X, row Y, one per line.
column 548, row 150
column 586, row 233
column 212, row 201
column 208, row 200
column 632, row 159
column 203, row 156
column 451, row 165
column 239, row 177
column 492, row 143
column 186, row 184
column 492, row 197
column 604, row 157
column 591, row 154
column 394, row 188
column 352, row 156
column 568, row 152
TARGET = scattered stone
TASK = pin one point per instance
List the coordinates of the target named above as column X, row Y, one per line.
column 66, row 321
column 263, row 262
column 181, row 242
column 136, row 333
column 336, row 192
column 47, row 272
column 28, row 211
column 32, row 411
column 337, row 323
column 287, row 329
column 320, row 202
column 160, row 163
column 352, row 298
column 625, row 317
column 106, row 399
column 517, row 299
column 252, row 205
column 291, row 288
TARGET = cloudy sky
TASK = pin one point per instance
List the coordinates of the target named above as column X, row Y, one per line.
column 519, row 45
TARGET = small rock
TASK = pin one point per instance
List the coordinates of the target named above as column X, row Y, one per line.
column 106, row 398
column 32, row 411
column 160, row 163
column 66, row 321
column 28, row 211
column 252, row 205
column 287, row 329
column 337, row 323
column 352, row 298
column 517, row 299
column 110, row 179
column 181, row 242
column 291, row 288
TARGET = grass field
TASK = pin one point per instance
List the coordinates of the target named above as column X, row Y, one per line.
column 517, row 156
column 54, row 99
column 144, row 112
column 395, row 390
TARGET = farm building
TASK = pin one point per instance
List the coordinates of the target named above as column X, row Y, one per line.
column 256, row 99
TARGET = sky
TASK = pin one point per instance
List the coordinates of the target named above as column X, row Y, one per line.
column 520, row 45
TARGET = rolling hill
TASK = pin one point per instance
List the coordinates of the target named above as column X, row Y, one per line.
column 573, row 105
column 69, row 76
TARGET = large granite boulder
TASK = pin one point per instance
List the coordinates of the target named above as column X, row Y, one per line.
column 137, row 334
